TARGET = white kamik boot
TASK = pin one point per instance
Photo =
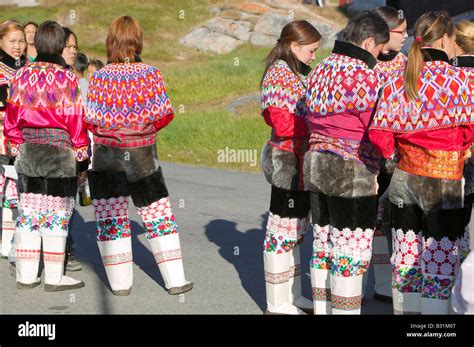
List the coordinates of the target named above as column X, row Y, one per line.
column 54, row 248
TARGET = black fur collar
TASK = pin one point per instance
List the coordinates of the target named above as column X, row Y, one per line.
column 353, row 51
column 433, row 54
column 463, row 61
column 10, row 61
column 51, row 58
column 388, row 56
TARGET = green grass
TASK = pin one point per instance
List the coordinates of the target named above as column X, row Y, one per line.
column 196, row 138
column 162, row 21
column 217, row 77
column 200, row 85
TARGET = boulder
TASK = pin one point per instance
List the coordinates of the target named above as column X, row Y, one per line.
column 244, row 100
column 271, row 24
column 249, row 7
column 237, row 29
column 214, row 9
column 205, row 40
column 327, row 31
column 20, row 3
column 258, row 39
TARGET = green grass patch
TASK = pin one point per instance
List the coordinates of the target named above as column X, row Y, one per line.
column 197, row 138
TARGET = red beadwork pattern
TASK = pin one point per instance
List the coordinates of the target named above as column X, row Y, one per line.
column 341, row 84
column 109, row 208
column 42, row 85
column 125, row 95
column 444, row 101
column 441, row 257
column 46, row 202
column 406, row 248
column 283, row 89
column 386, row 68
column 156, row 210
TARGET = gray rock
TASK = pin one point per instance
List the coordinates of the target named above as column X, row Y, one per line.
column 205, row 40
column 20, row 3
column 258, row 39
column 214, row 9
column 248, row 16
column 327, row 31
column 236, row 29
column 271, row 23
column 242, row 101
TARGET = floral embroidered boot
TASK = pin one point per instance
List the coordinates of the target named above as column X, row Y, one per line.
column 440, row 264
column 319, row 267
column 54, row 253
column 28, row 249
column 406, row 259
column 295, row 294
column 115, row 242
column 117, row 259
column 346, row 294
column 277, row 285
column 351, row 253
column 406, row 272
column 9, row 216
column 162, row 233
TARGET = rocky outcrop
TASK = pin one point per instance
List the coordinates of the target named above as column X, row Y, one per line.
column 20, row 3
column 253, row 22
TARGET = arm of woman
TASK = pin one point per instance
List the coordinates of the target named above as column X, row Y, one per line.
column 12, row 130
column 285, row 123
column 78, row 133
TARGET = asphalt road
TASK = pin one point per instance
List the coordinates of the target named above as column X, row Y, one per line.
column 221, row 215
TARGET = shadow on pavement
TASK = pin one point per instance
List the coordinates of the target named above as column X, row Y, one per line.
column 249, row 260
column 87, row 252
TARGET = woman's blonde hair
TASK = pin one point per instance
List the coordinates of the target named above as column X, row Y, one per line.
column 430, row 27
column 465, row 36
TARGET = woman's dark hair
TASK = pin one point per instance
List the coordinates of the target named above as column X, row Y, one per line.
column 364, row 25
column 299, row 31
column 81, row 62
column 97, row 63
column 393, row 17
column 30, row 23
column 124, row 41
column 50, row 38
column 68, row 32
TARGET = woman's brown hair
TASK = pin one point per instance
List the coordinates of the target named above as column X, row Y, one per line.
column 430, row 27
column 50, row 38
column 465, row 36
column 393, row 17
column 9, row 26
column 299, row 31
column 124, row 41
